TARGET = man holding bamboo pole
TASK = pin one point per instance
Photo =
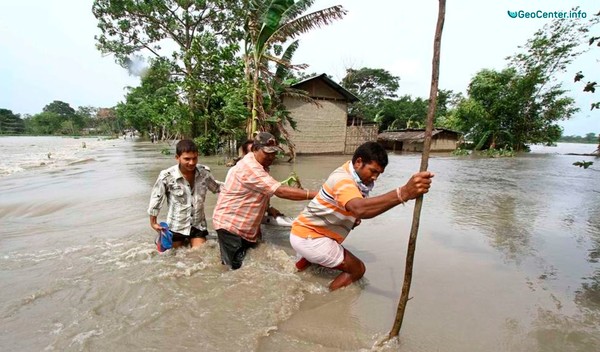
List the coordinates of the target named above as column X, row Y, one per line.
column 318, row 232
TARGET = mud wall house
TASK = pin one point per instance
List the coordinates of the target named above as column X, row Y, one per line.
column 359, row 132
column 320, row 129
column 411, row 140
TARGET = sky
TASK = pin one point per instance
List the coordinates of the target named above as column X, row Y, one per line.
column 47, row 49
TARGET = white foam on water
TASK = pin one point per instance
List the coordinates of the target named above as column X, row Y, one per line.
column 20, row 154
column 58, row 327
column 108, row 291
column 81, row 338
column 7, row 169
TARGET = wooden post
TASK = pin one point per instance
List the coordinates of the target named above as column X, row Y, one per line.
column 412, row 242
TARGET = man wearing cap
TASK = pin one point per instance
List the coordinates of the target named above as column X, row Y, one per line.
column 244, row 198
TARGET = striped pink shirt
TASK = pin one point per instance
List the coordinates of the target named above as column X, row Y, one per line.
column 244, row 198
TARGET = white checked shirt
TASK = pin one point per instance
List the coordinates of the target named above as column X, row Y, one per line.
column 186, row 205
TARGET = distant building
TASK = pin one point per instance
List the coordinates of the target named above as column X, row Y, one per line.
column 411, row 140
column 358, row 132
column 325, row 128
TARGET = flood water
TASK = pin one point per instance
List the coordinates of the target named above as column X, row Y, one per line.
column 506, row 260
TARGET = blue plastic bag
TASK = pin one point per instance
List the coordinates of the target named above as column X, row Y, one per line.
column 165, row 238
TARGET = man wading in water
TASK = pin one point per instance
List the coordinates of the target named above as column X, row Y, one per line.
column 184, row 187
column 244, row 197
column 317, row 233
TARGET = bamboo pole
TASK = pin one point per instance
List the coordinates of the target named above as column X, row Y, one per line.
column 412, row 242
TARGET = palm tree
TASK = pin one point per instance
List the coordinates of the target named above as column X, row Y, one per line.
column 269, row 24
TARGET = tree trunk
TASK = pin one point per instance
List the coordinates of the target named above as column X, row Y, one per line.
column 412, row 242
column 191, row 96
column 255, row 90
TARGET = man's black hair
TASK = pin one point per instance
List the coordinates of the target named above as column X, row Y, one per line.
column 371, row 151
column 246, row 144
column 186, row 146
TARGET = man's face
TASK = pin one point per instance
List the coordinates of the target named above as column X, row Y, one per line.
column 264, row 158
column 187, row 161
column 368, row 172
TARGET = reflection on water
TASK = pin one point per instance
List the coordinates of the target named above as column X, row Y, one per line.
column 487, row 195
column 507, row 260
column 534, row 209
column 556, row 332
column 593, row 224
column 588, row 295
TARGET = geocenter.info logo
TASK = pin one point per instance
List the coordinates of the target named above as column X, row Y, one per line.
column 547, row 14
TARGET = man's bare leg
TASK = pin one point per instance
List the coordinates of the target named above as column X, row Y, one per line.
column 353, row 269
column 197, row 241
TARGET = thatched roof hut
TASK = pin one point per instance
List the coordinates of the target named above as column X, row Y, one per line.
column 411, row 140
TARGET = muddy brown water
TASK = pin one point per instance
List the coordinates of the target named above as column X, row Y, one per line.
column 507, row 260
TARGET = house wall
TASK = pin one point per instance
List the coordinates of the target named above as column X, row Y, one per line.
column 443, row 144
column 357, row 135
column 413, row 147
column 319, row 129
column 438, row 144
column 444, row 141
column 391, row 145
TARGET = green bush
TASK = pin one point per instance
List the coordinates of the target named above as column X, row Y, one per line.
column 499, row 153
column 207, row 145
column 584, row 164
column 461, row 152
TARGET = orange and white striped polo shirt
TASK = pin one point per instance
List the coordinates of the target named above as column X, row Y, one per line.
column 243, row 198
column 326, row 214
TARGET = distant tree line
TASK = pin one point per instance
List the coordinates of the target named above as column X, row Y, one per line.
column 59, row 118
column 590, row 138
column 11, row 123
